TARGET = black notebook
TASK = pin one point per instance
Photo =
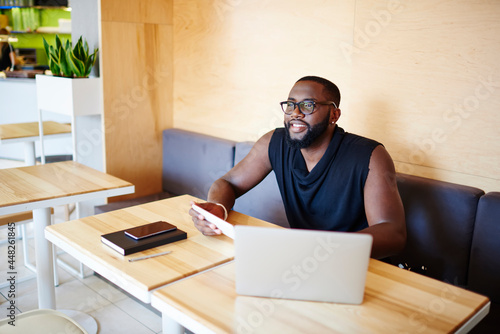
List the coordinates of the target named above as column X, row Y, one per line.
column 125, row 245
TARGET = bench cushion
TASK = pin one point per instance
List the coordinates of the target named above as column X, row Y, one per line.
column 264, row 200
column 484, row 271
column 440, row 220
column 193, row 161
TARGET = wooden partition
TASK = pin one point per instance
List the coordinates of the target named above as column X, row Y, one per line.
column 236, row 60
column 422, row 77
column 137, row 40
column 426, row 82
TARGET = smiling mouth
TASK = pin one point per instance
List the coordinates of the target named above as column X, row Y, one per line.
column 297, row 126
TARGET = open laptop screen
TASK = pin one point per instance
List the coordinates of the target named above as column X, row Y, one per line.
column 301, row 264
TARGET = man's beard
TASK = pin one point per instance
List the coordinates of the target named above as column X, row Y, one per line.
column 311, row 135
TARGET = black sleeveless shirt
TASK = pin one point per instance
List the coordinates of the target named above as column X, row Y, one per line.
column 330, row 197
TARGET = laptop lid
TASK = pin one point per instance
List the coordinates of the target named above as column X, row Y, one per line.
column 301, row 264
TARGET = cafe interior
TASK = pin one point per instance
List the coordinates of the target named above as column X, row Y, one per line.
column 423, row 78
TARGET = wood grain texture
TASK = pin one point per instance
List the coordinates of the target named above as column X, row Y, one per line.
column 426, row 82
column 421, row 77
column 41, row 182
column 151, row 11
column 396, row 301
column 195, row 254
column 236, row 60
column 15, row 217
column 18, row 217
column 137, row 83
column 21, row 130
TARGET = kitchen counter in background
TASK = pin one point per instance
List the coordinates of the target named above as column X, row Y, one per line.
column 30, row 74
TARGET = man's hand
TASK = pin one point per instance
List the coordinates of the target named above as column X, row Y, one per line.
column 241, row 178
column 201, row 223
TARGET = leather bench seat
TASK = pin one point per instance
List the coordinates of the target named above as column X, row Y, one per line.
column 484, row 268
column 440, row 220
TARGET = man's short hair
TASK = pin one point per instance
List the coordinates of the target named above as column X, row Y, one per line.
column 331, row 90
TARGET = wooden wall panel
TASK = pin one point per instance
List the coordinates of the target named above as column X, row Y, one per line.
column 150, row 11
column 426, row 83
column 137, row 83
column 236, row 60
column 421, row 77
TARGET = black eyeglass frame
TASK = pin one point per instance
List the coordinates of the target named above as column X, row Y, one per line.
column 284, row 106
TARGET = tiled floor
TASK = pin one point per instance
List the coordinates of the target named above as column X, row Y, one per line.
column 114, row 310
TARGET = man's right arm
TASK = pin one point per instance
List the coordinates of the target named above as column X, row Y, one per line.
column 241, row 178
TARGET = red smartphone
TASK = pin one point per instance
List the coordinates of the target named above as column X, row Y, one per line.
column 148, row 230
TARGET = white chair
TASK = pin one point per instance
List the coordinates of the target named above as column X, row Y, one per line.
column 41, row 322
column 20, row 219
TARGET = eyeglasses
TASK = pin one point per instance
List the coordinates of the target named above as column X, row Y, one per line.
column 305, row 107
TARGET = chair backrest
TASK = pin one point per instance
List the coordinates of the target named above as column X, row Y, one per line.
column 193, row 161
column 50, row 321
column 440, row 220
column 264, row 201
column 484, row 269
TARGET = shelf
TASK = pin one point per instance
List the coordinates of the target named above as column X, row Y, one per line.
column 39, row 19
column 41, row 32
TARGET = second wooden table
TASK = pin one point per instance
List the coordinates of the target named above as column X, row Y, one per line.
column 82, row 239
column 38, row 189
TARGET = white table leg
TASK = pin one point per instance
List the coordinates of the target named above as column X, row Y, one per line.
column 45, row 272
column 44, row 260
column 170, row 326
column 29, row 153
column 40, row 134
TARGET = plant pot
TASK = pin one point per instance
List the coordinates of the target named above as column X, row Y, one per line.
column 68, row 96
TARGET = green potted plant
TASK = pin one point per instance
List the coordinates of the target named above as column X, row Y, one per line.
column 69, row 90
column 65, row 61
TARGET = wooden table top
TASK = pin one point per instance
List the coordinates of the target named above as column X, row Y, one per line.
column 82, row 239
column 396, row 301
column 28, row 130
column 22, row 187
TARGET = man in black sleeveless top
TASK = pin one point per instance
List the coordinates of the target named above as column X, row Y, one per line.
column 329, row 179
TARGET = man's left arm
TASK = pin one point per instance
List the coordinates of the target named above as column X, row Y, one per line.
column 383, row 206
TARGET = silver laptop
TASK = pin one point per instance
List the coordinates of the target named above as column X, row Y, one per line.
column 301, row 264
